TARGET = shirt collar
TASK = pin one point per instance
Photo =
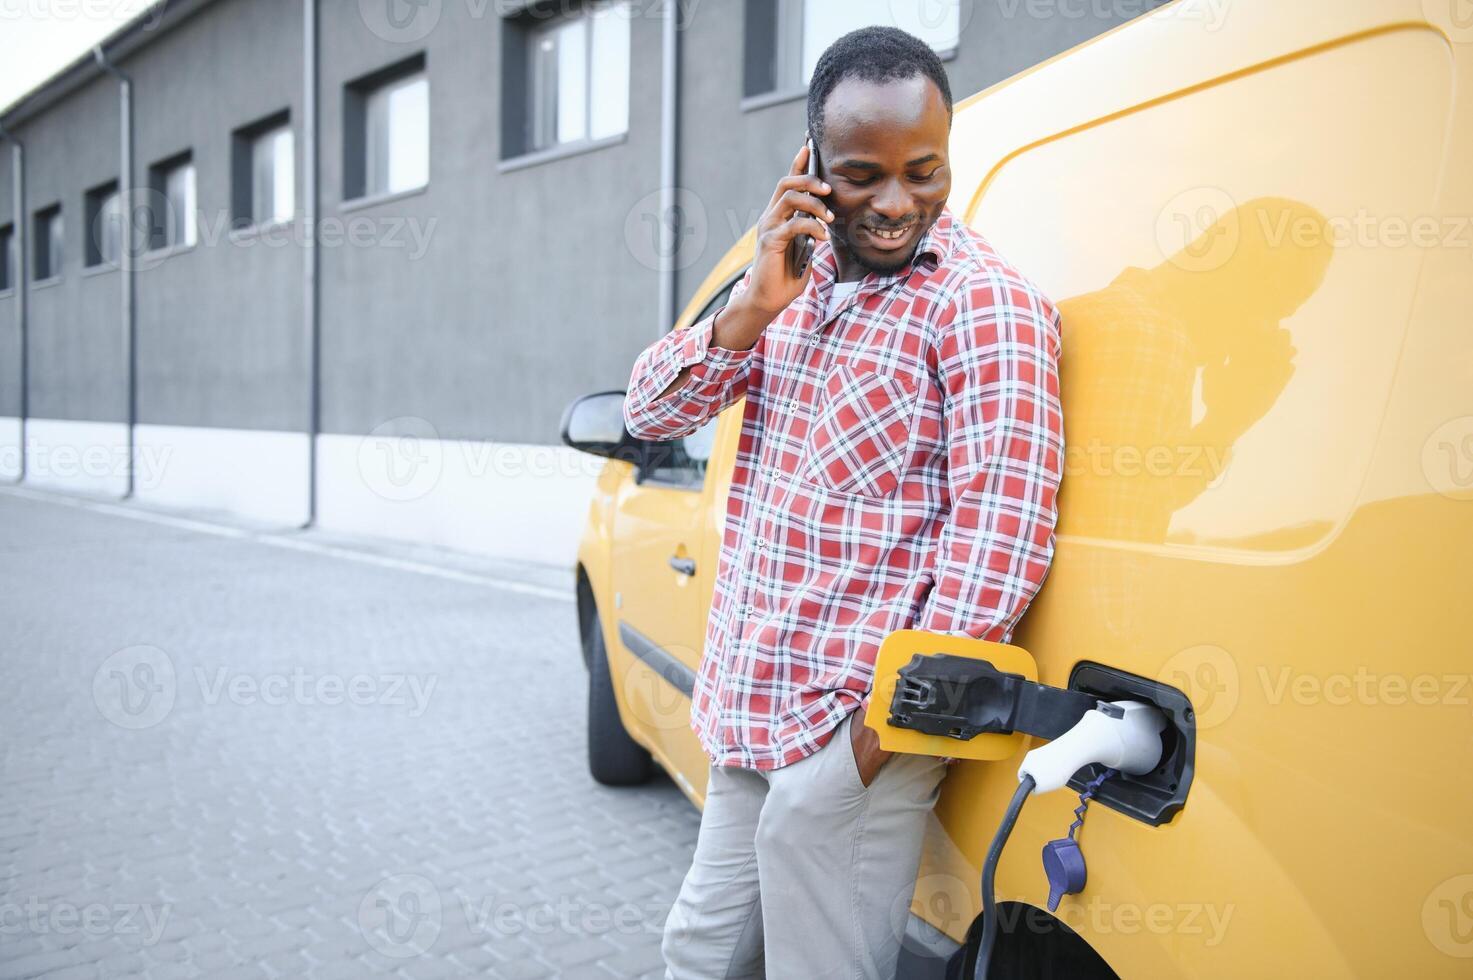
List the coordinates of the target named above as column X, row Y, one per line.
column 940, row 239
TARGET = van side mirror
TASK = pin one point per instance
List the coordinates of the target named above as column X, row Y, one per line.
column 595, row 424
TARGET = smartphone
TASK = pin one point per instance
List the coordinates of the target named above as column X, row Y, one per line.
column 800, row 249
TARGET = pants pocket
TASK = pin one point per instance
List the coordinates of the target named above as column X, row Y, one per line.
column 851, row 763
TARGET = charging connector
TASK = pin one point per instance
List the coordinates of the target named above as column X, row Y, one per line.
column 1123, row 735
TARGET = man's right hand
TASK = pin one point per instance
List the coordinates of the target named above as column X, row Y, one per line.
column 796, row 209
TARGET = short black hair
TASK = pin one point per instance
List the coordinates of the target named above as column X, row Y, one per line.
column 872, row 54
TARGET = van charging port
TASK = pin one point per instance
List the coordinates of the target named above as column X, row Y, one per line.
column 962, row 697
column 1156, row 796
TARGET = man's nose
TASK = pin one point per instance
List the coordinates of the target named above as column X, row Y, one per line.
column 893, row 201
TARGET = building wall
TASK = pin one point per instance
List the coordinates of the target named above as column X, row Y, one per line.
column 75, row 341
column 525, row 295
column 9, row 314
column 457, row 320
column 220, row 339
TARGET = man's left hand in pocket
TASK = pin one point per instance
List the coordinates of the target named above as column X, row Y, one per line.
column 866, row 744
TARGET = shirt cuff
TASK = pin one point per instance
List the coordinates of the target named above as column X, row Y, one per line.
column 706, row 360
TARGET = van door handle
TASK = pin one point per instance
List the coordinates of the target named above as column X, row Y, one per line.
column 685, row 566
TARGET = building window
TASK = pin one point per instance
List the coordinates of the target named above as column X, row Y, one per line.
column 9, row 259
column 103, row 242
column 387, row 131
column 172, row 205
column 263, row 172
column 784, row 38
column 578, row 77
column 48, row 236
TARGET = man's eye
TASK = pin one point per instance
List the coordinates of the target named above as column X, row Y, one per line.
column 916, row 178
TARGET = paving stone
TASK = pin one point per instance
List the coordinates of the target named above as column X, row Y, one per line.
column 476, row 959
column 37, row 964
column 86, row 972
column 589, row 971
column 581, row 951
column 632, row 962
column 522, row 970
column 266, row 827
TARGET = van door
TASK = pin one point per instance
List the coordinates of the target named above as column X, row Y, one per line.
column 663, row 578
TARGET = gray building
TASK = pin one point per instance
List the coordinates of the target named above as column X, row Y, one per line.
column 489, row 238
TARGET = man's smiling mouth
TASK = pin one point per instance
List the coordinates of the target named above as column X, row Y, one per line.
column 887, row 238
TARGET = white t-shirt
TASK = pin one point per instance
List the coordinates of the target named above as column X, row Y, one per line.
column 841, row 292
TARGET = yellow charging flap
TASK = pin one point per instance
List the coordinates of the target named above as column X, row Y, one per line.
column 896, row 651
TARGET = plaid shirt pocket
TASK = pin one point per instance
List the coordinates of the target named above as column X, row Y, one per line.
column 857, row 443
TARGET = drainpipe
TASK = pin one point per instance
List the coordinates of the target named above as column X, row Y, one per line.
column 22, row 281
column 310, row 257
column 668, row 223
column 128, row 247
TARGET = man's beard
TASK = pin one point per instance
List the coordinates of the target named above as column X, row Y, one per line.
column 887, row 268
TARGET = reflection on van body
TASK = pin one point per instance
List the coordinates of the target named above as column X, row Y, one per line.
column 1177, row 362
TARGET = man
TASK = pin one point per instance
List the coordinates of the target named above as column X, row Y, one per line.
column 899, row 456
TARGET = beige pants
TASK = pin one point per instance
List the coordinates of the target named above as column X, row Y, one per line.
column 803, row 871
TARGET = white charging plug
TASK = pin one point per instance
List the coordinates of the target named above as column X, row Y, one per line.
column 1123, row 735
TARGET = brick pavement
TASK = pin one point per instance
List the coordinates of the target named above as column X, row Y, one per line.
column 227, row 757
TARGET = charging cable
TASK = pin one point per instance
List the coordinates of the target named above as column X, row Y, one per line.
column 1123, row 735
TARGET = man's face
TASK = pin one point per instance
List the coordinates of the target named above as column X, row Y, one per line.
column 884, row 153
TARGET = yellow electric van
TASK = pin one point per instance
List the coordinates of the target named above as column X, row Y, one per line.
column 1255, row 217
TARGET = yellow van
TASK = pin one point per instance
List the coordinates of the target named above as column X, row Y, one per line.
column 1255, row 217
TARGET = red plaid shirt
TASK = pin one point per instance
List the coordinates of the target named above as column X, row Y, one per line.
column 897, row 469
